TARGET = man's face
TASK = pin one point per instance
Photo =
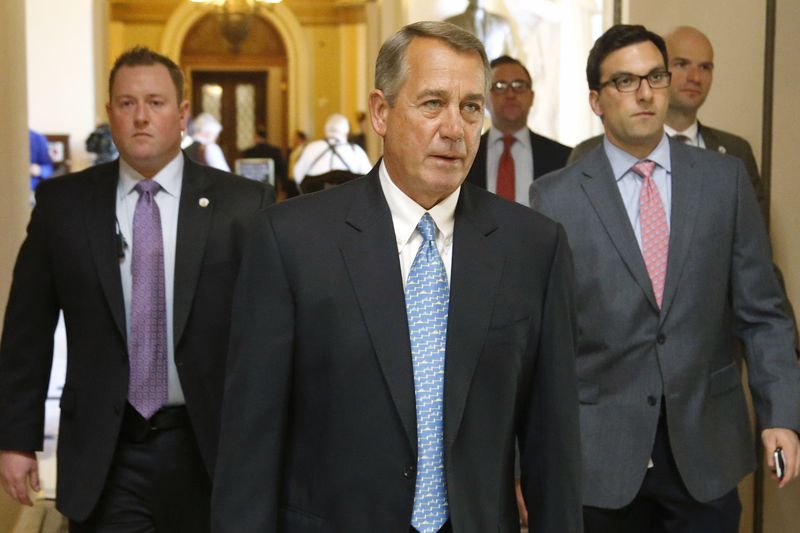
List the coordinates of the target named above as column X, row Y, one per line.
column 145, row 117
column 510, row 108
column 691, row 61
column 431, row 134
column 633, row 121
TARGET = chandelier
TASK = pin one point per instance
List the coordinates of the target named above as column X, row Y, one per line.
column 235, row 17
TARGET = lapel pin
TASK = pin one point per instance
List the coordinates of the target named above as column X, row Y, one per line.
column 203, row 202
column 722, row 150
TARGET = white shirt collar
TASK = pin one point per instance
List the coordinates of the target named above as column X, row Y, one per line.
column 521, row 135
column 690, row 132
column 406, row 213
column 168, row 177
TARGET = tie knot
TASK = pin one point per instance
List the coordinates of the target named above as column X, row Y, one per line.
column 508, row 140
column 682, row 138
column 145, row 186
column 427, row 227
column 644, row 168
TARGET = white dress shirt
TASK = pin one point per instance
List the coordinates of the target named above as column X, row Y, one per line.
column 692, row 133
column 521, row 152
column 406, row 214
column 168, row 200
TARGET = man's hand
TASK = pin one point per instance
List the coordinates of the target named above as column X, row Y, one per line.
column 787, row 440
column 523, row 510
column 17, row 469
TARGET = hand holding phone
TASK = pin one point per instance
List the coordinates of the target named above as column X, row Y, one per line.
column 780, row 467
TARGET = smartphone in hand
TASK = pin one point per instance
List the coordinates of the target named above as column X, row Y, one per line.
column 780, row 467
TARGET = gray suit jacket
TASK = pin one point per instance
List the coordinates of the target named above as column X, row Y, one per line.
column 632, row 356
column 717, row 141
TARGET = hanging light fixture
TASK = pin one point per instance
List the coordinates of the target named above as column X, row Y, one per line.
column 235, row 17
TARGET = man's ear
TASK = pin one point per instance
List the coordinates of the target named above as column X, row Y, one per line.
column 378, row 108
column 594, row 102
column 183, row 110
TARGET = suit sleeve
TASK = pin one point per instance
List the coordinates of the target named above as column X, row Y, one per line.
column 26, row 350
column 761, row 320
column 752, row 169
column 258, row 381
column 550, row 456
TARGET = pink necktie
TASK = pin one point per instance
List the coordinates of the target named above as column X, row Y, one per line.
column 506, row 176
column 655, row 233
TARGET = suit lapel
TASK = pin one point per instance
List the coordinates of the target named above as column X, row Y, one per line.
column 370, row 255
column 476, row 271
column 603, row 193
column 194, row 221
column 686, row 196
column 101, row 216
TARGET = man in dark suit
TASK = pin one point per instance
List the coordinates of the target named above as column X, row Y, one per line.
column 673, row 264
column 510, row 155
column 340, row 413
column 691, row 62
column 140, row 255
column 261, row 148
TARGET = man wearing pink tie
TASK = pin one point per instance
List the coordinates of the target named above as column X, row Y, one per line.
column 672, row 265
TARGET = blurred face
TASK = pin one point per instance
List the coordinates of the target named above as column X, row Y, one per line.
column 510, row 108
column 431, row 134
column 691, row 61
column 633, row 121
column 146, row 118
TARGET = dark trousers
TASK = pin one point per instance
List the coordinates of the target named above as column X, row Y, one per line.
column 664, row 505
column 157, row 484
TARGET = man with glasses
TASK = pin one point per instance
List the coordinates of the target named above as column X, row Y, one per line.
column 510, row 155
column 691, row 63
column 672, row 264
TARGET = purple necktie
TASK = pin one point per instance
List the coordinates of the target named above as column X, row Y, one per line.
column 147, row 344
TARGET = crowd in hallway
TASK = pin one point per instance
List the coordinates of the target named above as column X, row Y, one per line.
column 476, row 329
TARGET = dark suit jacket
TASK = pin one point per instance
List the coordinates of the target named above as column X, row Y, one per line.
column 717, row 141
column 319, row 427
column 720, row 286
column 69, row 262
column 548, row 155
column 272, row 152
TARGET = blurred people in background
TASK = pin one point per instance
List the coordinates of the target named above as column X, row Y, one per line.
column 41, row 164
column 205, row 150
column 299, row 142
column 101, row 144
column 262, row 149
column 332, row 153
column 360, row 136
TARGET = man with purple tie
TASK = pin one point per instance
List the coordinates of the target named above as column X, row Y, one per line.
column 140, row 255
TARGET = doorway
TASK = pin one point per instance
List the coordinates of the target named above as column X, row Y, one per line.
column 237, row 99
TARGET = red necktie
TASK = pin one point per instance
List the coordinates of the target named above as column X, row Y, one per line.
column 506, row 176
column 655, row 233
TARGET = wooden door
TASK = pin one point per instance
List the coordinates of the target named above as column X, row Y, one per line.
column 237, row 99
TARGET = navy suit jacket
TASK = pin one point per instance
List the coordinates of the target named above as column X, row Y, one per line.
column 69, row 262
column 548, row 155
column 319, row 426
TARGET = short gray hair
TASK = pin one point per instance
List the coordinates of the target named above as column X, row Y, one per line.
column 391, row 67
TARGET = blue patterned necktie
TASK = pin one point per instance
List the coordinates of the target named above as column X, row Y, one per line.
column 427, row 300
column 147, row 344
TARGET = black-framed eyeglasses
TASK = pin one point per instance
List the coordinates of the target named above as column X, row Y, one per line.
column 518, row 86
column 628, row 83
